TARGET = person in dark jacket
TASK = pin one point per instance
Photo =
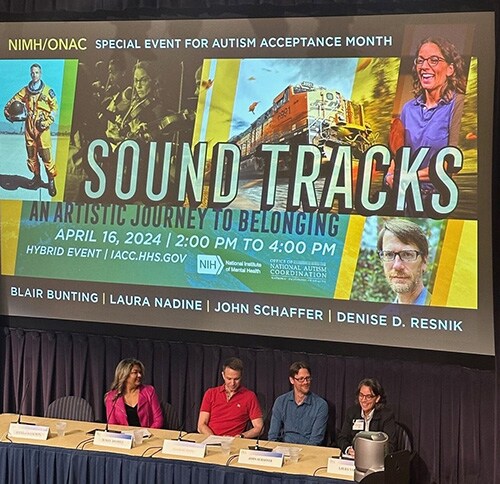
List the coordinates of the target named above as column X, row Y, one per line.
column 368, row 414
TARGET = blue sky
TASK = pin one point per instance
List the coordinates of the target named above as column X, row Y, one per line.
column 261, row 80
column 15, row 74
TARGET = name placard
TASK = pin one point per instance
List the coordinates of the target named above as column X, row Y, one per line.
column 113, row 439
column 260, row 458
column 25, row 431
column 186, row 449
column 341, row 468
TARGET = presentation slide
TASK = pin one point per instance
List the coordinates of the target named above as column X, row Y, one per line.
column 314, row 178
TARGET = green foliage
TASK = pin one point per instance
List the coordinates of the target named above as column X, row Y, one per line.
column 369, row 280
column 469, row 117
column 378, row 108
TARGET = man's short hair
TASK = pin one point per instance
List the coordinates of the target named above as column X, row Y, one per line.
column 38, row 66
column 296, row 367
column 407, row 232
column 234, row 363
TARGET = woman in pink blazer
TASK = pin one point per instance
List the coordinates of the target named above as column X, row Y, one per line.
column 129, row 402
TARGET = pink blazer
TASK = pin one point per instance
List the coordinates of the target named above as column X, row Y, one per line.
column 148, row 408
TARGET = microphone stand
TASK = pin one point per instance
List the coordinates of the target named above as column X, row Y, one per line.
column 106, row 428
column 117, row 396
column 183, row 423
column 180, row 438
column 258, row 447
column 23, row 397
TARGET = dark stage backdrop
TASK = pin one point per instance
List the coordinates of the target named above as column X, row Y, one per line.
column 450, row 425
column 452, row 410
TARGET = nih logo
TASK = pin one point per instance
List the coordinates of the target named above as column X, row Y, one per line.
column 209, row 264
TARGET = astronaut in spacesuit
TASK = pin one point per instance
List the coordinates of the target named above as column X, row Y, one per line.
column 36, row 105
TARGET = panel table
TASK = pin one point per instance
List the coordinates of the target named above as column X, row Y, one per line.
column 75, row 459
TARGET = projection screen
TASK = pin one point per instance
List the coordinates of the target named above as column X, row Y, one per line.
column 234, row 176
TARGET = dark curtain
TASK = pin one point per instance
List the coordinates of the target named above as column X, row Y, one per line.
column 450, row 425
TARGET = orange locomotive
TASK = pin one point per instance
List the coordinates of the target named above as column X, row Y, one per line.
column 304, row 114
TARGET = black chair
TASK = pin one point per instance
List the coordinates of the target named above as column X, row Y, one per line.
column 404, row 440
column 331, row 430
column 266, row 415
column 70, row 408
column 171, row 419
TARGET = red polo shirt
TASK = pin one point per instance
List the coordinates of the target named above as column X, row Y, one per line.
column 230, row 417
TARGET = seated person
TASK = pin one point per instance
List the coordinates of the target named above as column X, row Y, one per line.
column 129, row 402
column 226, row 409
column 299, row 416
column 369, row 413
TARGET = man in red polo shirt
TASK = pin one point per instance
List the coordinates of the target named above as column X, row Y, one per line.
column 226, row 409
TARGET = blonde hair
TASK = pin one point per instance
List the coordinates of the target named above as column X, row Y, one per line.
column 122, row 372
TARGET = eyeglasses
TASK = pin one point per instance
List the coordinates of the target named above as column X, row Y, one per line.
column 404, row 255
column 362, row 396
column 433, row 60
column 303, row 379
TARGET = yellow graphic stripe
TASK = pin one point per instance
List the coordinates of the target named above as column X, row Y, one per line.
column 66, row 106
column 221, row 107
column 349, row 257
column 203, row 95
column 464, row 287
column 455, row 284
column 10, row 221
column 62, row 155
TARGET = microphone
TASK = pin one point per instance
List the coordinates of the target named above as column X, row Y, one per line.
column 106, row 428
column 112, row 411
column 179, row 437
column 256, row 446
column 181, row 426
column 19, row 410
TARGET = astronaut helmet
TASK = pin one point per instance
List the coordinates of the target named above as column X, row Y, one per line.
column 17, row 111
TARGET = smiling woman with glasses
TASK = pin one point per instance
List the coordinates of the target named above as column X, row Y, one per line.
column 368, row 413
column 451, row 79
column 432, row 118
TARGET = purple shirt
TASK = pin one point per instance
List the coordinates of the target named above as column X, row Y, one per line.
column 434, row 127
